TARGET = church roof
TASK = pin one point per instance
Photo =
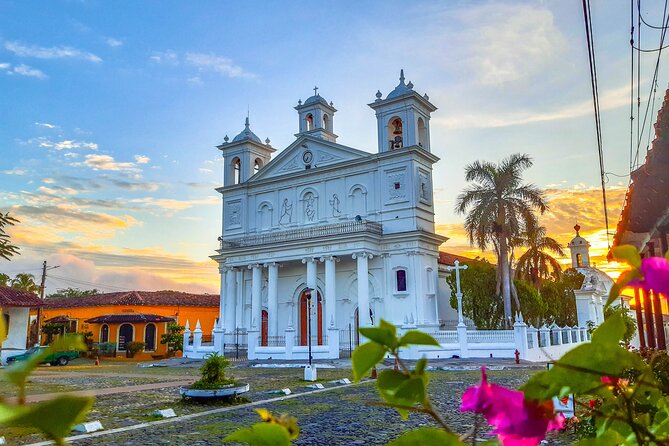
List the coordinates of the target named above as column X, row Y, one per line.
column 578, row 240
column 315, row 99
column 247, row 134
column 401, row 88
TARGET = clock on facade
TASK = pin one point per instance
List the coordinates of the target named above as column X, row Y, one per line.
column 307, row 157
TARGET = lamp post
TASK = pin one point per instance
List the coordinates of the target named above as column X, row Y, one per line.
column 309, row 370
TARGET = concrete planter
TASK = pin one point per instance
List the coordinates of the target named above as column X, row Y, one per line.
column 228, row 391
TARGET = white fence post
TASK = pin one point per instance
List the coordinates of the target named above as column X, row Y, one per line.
column 217, row 334
column 197, row 337
column 186, row 346
column 520, row 335
column 333, row 342
column 544, row 336
column 252, row 343
column 462, row 339
column 290, row 342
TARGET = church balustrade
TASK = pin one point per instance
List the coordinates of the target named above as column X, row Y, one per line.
column 445, row 336
column 489, row 336
column 349, row 227
column 272, row 341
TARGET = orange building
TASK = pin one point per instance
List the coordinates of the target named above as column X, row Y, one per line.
column 139, row 316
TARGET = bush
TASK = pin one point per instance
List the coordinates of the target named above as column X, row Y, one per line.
column 213, row 373
column 134, row 347
column 173, row 338
column 107, row 348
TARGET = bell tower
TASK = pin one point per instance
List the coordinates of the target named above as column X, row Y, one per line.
column 403, row 118
column 580, row 250
column 316, row 117
column 244, row 156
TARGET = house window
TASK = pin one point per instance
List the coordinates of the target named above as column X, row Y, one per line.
column 104, row 333
column 401, row 279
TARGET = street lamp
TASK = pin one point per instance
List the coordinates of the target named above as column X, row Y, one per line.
column 310, row 370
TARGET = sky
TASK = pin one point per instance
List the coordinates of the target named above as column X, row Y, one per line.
column 110, row 113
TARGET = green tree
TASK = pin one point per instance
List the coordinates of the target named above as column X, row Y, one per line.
column 479, row 301
column 7, row 250
column 532, row 305
column 69, row 293
column 173, row 338
column 4, row 279
column 25, row 282
column 536, row 265
column 498, row 205
column 623, row 313
column 560, row 298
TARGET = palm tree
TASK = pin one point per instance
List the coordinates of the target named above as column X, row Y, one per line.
column 535, row 264
column 4, row 279
column 498, row 205
column 25, row 282
column 7, row 250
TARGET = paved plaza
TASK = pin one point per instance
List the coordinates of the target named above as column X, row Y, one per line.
column 338, row 415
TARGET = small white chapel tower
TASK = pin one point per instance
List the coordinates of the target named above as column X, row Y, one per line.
column 244, row 156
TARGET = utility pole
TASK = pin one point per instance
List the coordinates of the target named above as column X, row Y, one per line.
column 41, row 295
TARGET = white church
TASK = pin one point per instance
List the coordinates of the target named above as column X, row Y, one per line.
column 324, row 238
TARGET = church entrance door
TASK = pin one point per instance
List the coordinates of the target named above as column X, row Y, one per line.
column 316, row 338
column 263, row 328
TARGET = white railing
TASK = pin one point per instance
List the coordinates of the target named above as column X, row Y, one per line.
column 348, row 227
column 489, row 336
column 445, row 336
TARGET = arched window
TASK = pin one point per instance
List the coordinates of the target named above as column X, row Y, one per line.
column 257, row 165
column 326, row 122
column 310, row 122
column 265, row 216
column 150, row 338
column 236, row 171
column 579, row 260
column 126, row 334
column 422, row 133
column 401, row 279
column 395, row 133
column 104, row 333
column 264, row 319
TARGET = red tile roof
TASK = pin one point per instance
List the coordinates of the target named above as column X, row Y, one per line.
column 134, row 317
column 174, row 298
column 10, row 297
column 446, row 258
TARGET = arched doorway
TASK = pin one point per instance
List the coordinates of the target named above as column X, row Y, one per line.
column 126, row 333
column 150, row 338
column 264, row 318
column 104, row 333
column 303, row 319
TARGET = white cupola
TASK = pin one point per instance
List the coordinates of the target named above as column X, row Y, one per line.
column 316, row 117
column 403, row 117
column 244, row 156
column 580, row 250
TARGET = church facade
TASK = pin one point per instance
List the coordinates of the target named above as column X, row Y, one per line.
column 324, row 237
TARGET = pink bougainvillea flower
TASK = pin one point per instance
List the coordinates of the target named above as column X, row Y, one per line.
column 517, row 422
column 655, row 272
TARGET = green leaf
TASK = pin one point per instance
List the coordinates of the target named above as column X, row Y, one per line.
column 610, row 437
column 390, row 380
column 627, row 254
column 411, row 392
column 261, row 434
column 415, row 337
column 384, row 334
column 617, row 288
column 56, row 417
column 427, row 436
column 365, row 357
column 420, row 366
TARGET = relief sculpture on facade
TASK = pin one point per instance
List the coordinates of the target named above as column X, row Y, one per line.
column 286, row 212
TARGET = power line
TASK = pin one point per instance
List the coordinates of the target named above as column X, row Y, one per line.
column 587, row 18
column 664, row 26
column 87, row 283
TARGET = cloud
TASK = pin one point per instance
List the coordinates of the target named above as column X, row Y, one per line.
column 107, row 162
column 127, row 185
column 15, row 171
column 609, row 99
column 46, row 125
column 142, row 159
column 60, row 52
column 68, row 144
column 57, row 190
column 168, row 57
column 218, row 64
column 173, row 204
column 114, row 43
column 22, row 70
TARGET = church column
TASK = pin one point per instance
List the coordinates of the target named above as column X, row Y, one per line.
column 330, row 291
column 240, row 304
column 273, row 298
column 256, row 300
column 221, row 304
column 363, row 287
column 230, row 299
column 312, row 282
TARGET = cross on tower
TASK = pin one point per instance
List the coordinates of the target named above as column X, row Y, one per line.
column 458, row 293
column 315, row 91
